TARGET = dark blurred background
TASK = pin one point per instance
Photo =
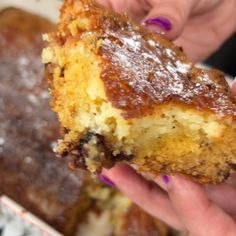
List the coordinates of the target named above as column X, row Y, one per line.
column 225, row 58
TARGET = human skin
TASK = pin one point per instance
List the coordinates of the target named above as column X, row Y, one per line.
column 202, row 210
column 199, row 26
column 181, row 203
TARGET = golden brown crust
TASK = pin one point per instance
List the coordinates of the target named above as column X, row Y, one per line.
column 166, row 76
column 44, row 185
column 115, row 81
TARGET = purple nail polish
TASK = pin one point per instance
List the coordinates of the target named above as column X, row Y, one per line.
column 165, row 178
column 105, row 180
column 164, row 23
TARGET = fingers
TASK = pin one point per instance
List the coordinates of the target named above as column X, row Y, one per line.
column 145, row 194
column 225, row 201
column 203, row 36
column 158, row 180
column 167, row 16
column 133, row 8
column 105, row 3
column 200, row 216
column 170, row 15
column 118, row 6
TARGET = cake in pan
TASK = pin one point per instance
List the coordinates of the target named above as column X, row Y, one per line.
column 123, row 93
column 30, row 172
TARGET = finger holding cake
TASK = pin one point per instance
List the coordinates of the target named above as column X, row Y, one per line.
column 125, row 94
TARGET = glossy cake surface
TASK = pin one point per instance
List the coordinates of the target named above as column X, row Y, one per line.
column 125, row 94
column 30, row 172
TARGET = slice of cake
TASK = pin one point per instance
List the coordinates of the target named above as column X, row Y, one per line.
column 123, row 93
column 30, row 173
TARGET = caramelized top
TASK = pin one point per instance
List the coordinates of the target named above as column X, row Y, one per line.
column 30, row 172
column 141, row 70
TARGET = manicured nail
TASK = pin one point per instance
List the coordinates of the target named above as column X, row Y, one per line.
column 106, row 180
column 160, row 24
column 166, row 179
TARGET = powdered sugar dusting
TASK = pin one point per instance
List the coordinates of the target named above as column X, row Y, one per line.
column 143, row 70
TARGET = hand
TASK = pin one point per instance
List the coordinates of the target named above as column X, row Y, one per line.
column 183, row 204
column 199, row 26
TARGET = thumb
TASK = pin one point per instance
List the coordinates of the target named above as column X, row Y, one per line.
column 169, row 17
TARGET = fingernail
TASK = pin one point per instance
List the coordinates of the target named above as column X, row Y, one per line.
column 106, row 180
column 159, row 25
column 166, row 179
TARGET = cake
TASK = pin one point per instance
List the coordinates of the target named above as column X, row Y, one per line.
column 31, row 174
column 123, row 93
